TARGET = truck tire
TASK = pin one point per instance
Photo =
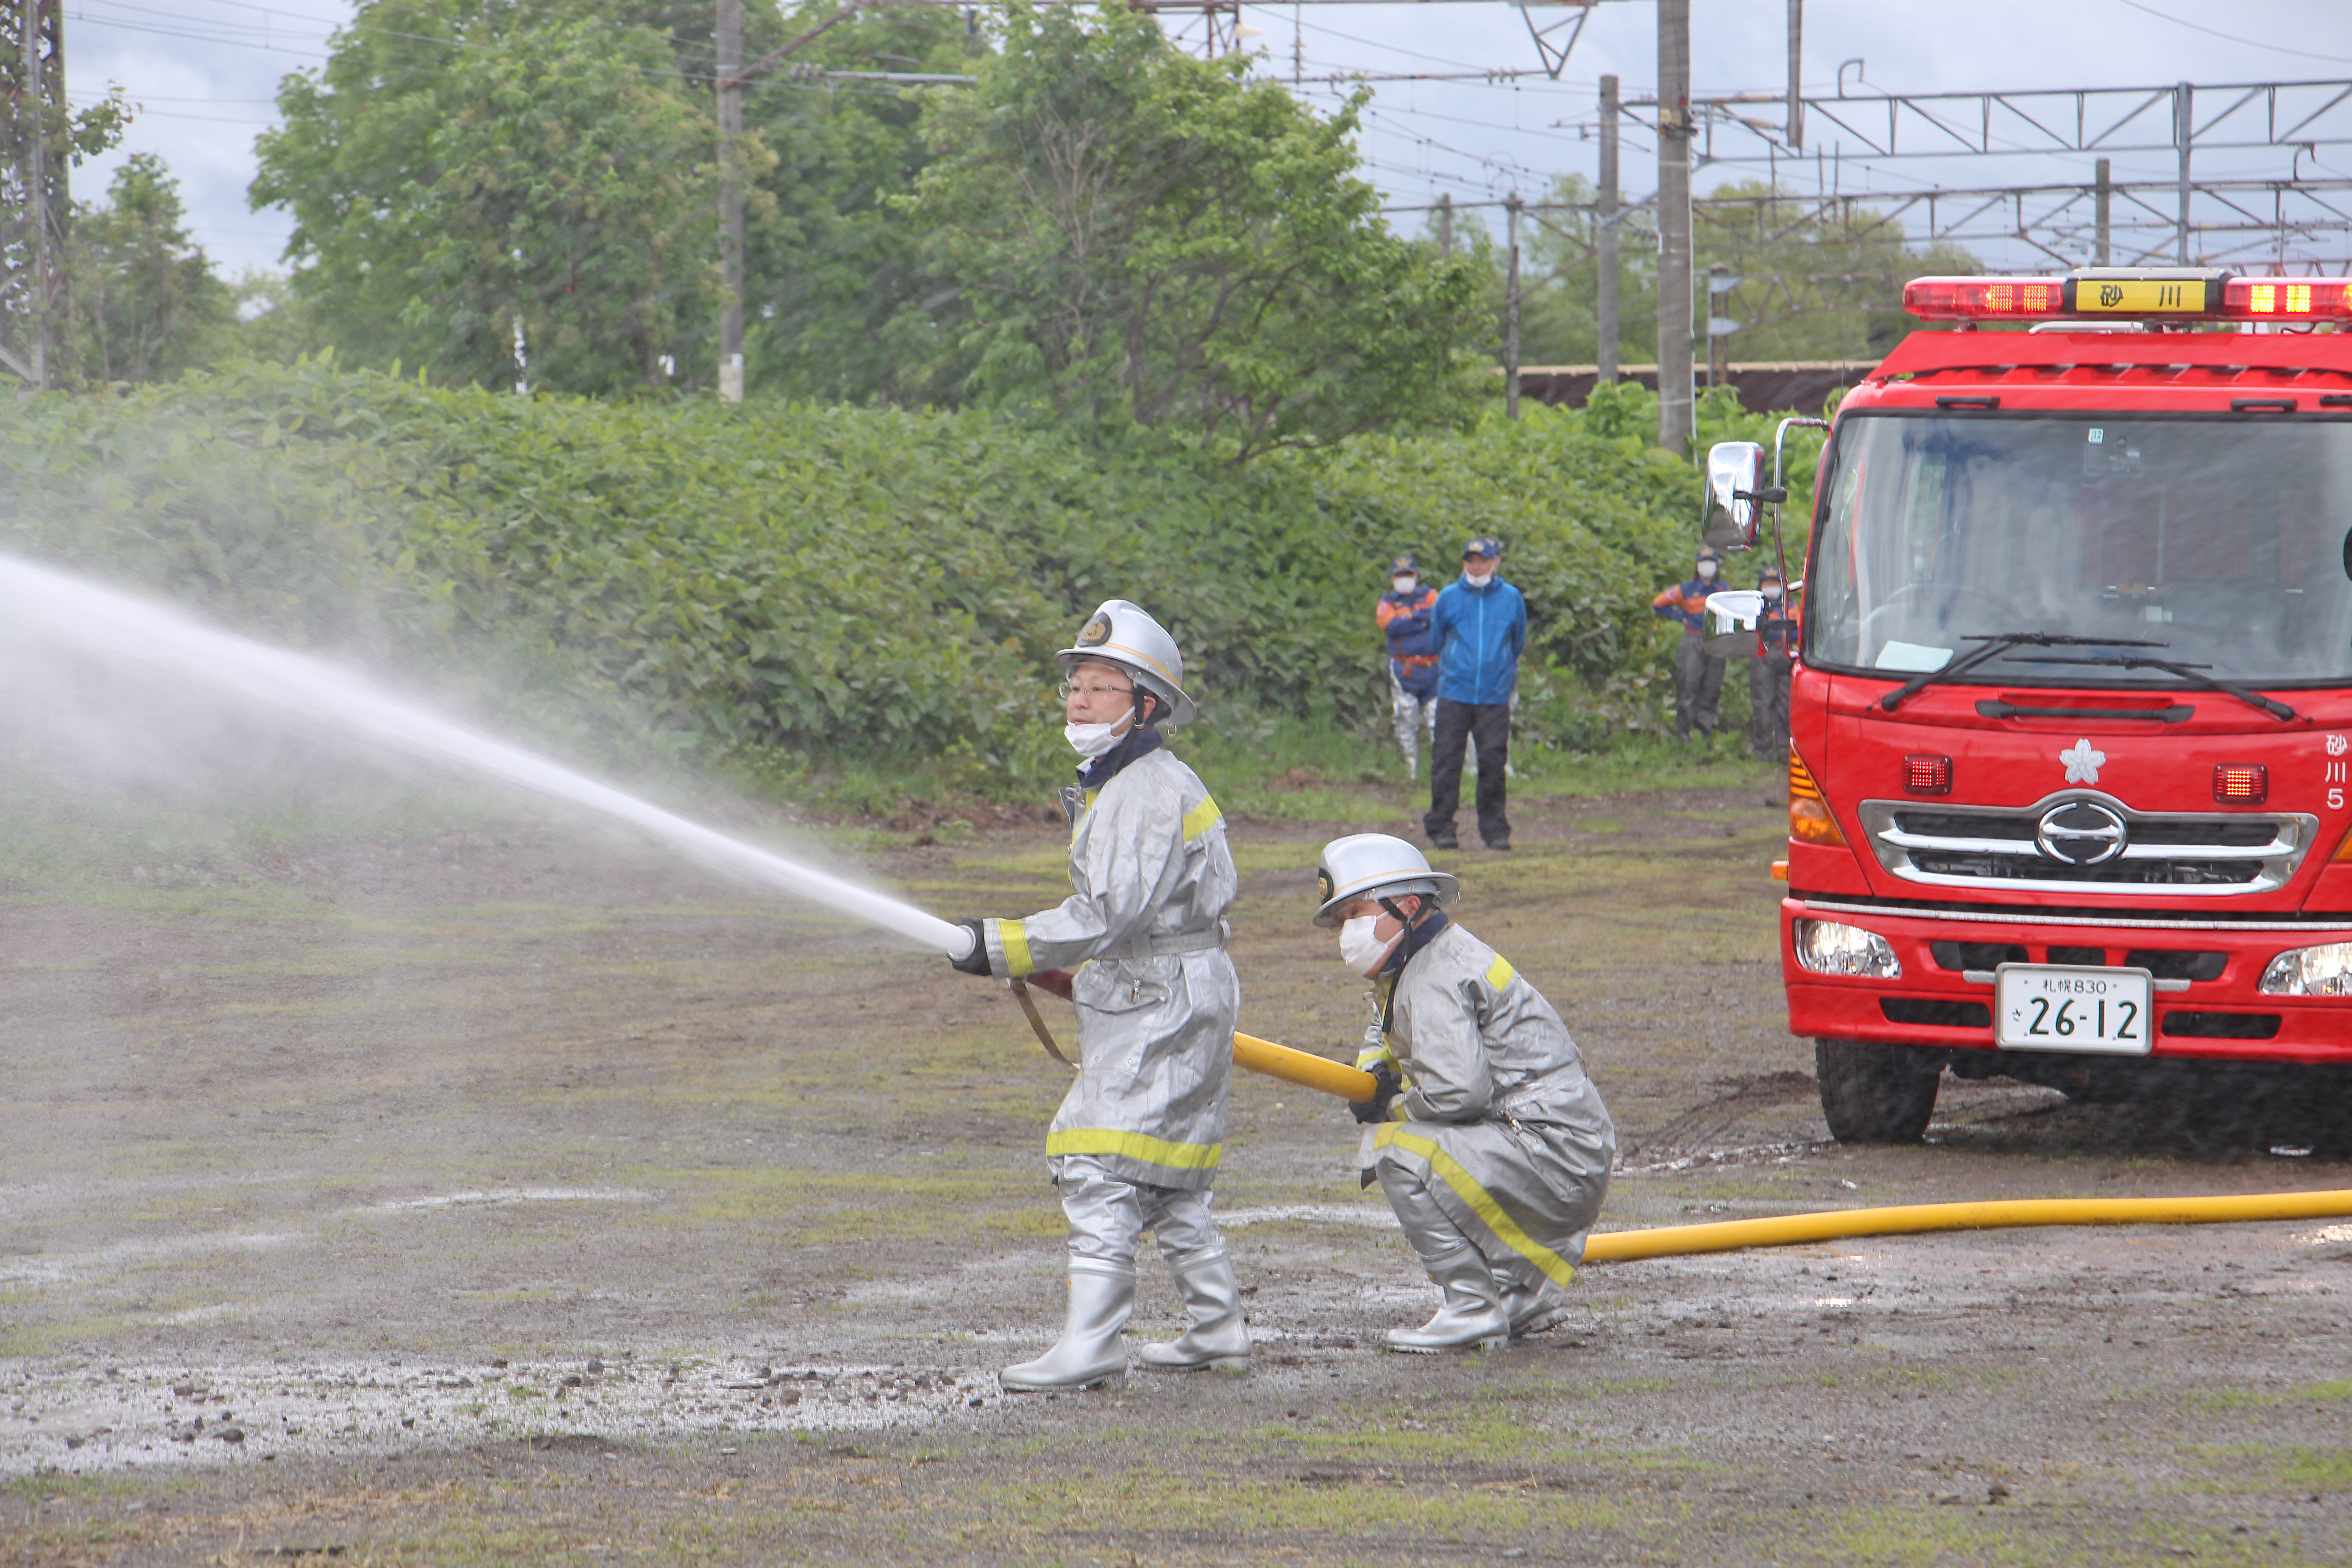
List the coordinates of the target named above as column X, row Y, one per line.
column 1876, row 1094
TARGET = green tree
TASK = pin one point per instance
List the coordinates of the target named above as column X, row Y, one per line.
column 273, row 324
column 501, row 190
column 146, row 304
column 1814, row 285
column 829, row 260
column 1560, row 283
column 1122, row 234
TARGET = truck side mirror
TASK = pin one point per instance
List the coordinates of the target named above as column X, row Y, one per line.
column 1732, row 614
column 1735, row 482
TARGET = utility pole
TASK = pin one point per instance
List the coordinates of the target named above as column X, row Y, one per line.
column 733, row 77
column 1511, row 317
column 2102, row 205
column 2184, row 109
column 1796, row 75
column 41, row 90
column 1604, row 302
column 1445, row 227
column 1673, row 226
column 730, row 72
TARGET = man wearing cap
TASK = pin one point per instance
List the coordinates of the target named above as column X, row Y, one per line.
column 1490, row 1142
column 1480, row 627
column 1698, row 674
column 1768, row 678
column 1136, row 1142
column 1404, row 615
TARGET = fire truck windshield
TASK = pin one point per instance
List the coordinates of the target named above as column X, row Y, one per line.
column 2223, row 539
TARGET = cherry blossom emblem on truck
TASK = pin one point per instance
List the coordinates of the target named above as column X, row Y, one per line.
column 2082, row 764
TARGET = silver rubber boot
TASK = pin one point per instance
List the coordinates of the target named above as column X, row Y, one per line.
column 1218, row 1337
column 1472, row 1313
column 1533, row 1309
column 1091, row 1349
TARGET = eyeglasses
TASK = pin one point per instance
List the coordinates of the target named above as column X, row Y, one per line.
column 1067, row 690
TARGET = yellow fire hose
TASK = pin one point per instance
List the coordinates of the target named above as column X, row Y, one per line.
column 1305, row 1070
column 1625, row 1246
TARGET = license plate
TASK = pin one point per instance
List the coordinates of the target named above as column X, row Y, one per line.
column 2050, row 1007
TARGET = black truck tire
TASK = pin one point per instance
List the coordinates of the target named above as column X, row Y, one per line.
column 1876, row 1094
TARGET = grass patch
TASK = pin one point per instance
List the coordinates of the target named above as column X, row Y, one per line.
column 2245, row 1399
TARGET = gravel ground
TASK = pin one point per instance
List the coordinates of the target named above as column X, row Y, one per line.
column 504, row 1194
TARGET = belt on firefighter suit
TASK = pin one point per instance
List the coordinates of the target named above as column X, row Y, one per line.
column 1145, row 947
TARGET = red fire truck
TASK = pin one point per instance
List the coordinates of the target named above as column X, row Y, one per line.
column 2072, row 714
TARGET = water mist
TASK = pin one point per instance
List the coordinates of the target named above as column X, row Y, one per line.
column 57, row 612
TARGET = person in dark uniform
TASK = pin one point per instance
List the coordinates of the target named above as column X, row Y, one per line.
column 1698, row 674
column 1768, row 676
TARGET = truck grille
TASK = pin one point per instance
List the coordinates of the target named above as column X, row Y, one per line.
column 2084, row 842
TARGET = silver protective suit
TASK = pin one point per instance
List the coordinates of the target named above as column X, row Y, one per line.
column 1501, row 1141
column 1157, row 1002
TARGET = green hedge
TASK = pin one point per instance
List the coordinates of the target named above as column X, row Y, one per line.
column 821, row 584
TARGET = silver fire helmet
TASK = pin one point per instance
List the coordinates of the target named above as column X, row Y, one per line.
column 1374, row 864
column 1122, row 633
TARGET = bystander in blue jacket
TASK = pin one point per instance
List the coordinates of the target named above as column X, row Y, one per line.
column 1480, row 628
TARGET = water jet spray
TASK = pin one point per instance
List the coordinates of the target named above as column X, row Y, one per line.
column 104, row 625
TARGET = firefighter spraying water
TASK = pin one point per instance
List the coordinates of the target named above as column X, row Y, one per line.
column 1138, row 1139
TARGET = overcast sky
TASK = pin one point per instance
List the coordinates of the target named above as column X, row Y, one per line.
column 206, row 71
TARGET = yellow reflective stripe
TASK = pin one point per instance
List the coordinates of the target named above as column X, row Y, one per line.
column 1482, row 1202
column 1087, row 806
column 1135, row 1146
column 1500, row 972
column 1201, row 819
column 1017, row 961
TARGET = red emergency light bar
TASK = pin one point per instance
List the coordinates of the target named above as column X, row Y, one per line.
column 2139, row 294
column 2286, row 300
column 1985, row 299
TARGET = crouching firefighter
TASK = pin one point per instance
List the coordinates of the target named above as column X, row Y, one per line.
column 1136, row 1143
column 1492, row 1144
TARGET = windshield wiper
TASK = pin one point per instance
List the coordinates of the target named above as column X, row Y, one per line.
column 1995, row 643
column 2193, row 673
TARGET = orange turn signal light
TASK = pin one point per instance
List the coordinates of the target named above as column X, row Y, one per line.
column 1809, row 821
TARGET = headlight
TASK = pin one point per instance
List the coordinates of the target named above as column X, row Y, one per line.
column 1826, row 947
column 2310, row 972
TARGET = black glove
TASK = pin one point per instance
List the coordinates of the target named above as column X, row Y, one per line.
column 1386, row 1081
column 976, row 961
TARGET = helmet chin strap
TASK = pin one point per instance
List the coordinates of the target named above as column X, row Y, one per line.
column 1399, row 915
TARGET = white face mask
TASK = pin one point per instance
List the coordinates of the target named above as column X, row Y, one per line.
column 1091, row 740
column 1771, row 590
column 1403, row 584
column 1477, row 579
column 1707, row 571
column 1360, row 948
